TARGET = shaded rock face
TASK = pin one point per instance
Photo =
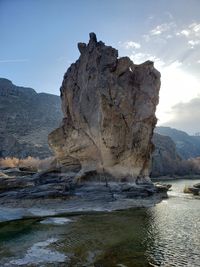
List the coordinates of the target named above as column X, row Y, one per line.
column 26, row 120
column 188, row 146
column 109, row 108
column 165, row 159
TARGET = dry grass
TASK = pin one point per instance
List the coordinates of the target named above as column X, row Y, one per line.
column 186, row 190
column 9, row 162
column 34, row 164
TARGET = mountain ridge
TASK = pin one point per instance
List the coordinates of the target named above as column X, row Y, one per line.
column 26, row 119
column 188, row 146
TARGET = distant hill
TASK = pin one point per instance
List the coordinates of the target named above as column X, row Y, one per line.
column 165, row 159
column 26, row 120
column 187, row 146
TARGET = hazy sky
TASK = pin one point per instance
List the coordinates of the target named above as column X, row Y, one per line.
column 39, row 41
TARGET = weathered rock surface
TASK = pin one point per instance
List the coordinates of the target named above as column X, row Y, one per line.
column 54, row 191
column 109, row 108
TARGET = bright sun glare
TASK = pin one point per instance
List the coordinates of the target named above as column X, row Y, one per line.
column 176, row 86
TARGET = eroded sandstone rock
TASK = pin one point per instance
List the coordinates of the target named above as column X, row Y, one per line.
column 109, row 108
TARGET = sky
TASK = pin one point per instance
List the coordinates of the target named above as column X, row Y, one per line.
column 39, row 42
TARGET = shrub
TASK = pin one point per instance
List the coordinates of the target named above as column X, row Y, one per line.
column 9, row 162
column 186, row 190
column 34, row 164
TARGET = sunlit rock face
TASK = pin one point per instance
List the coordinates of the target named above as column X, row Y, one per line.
column 109, row 108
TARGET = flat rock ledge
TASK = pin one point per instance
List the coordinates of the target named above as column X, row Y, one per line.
column 195, row 189
column 52, row 193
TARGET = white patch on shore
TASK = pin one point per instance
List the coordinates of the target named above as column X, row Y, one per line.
column 39, row 253
column 56, row 220
column 42, row 212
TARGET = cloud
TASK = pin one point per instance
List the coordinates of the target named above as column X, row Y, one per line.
column 186, row 116
column 195, row 27
column 176, row 61
column 139, row 58
column 177, row 86
column 130, row 45
column 184, row 32
column 172, row 42
column 193, row 43
column 164, row 32
column 161, row 32
column 13, row 60
column 159, row 29
column 192, row 31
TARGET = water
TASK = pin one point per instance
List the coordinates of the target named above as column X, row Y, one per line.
column 165, row 235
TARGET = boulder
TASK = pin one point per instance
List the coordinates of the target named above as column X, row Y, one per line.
column 162, row 188
column 197, row 185
column 109, row 106
column 194, row 190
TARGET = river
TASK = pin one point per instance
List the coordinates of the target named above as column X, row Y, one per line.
column 167, row 234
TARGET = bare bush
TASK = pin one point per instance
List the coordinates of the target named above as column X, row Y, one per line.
column 9, row 162
column 33, row 164
column 190, row 166
column 186, row 190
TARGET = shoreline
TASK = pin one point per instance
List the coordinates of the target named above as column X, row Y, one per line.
column 175, row 178
column 40, row 208
column 51, row 194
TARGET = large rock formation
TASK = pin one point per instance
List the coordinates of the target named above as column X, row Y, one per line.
column 109, row 108
column 26, row 120
column 28, row 117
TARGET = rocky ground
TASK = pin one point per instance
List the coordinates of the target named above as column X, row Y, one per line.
column 25, row 193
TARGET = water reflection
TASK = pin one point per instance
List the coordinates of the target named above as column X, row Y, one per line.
column 165, row 235
column 173, row 238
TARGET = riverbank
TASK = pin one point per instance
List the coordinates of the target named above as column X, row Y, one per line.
column 90, row 198
column 24, row 209
column 26, row 195
column 161, row 235
column 176, row 177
